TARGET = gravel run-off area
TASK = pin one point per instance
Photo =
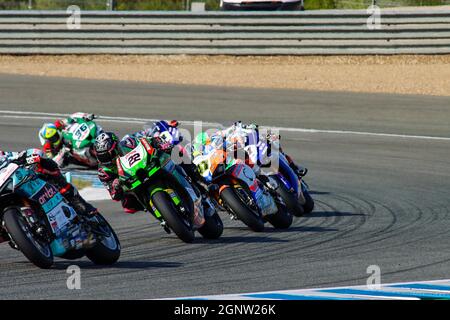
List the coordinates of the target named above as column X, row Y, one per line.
column 405, row 74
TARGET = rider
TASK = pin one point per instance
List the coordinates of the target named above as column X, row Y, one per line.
column 238, row 131
column 108, row 147
column 49, row 171
column 51, row 136
column 204, row 144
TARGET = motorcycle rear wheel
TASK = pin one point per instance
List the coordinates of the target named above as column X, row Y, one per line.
column 289, row 198
column 280, row 220
column 213, row 227
column 107, row 251
column 308, row 207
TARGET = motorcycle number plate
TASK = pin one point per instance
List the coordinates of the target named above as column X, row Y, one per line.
column 80, row 131
column 133, row 158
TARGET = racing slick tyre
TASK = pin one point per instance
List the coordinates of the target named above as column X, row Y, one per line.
column 107, row 251
column 169, row 212
column 289, row 198
column 308, row 207
column 282, row 219
column 242, row 210
column 38, row 252
column 213, row 227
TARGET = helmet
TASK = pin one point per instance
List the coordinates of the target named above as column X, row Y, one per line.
column 200, row 141
column 106, row 147
column 202, row 138
column 50, row 132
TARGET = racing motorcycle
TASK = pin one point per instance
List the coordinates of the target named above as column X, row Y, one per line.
column 234, row 186
column 163, row 189
column 293, row 190
column 78, row 144
column 38, row 221
column 289, row 186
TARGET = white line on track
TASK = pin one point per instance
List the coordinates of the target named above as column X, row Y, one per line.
column 45, row 115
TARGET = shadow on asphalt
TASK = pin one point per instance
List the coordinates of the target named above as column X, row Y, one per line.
column 63, row 265
column 300, row 229
column 326, row 214
column 239, row 239
column 318, row 192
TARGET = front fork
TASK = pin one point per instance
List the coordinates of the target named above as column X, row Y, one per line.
column 33, row 221
column 199, row 213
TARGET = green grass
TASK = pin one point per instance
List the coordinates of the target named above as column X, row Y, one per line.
column 81, row 184
column 320, row 4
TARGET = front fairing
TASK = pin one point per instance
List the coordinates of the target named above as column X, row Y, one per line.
column 7, row 171
column 81, row 134
column 287, row 175
column 136, row 166
column 84, row 156
column 60, row 215
column 25, row 183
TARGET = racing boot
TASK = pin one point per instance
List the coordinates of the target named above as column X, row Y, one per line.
column 78, row 203
column 299, row 170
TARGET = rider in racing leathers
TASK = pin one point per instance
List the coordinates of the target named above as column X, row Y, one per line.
column 204, row 144
column 49, row 171
column 247, row 135
column 51, row 136
column 107, row 147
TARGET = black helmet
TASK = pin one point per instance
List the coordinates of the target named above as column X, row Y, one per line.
column 106, row 147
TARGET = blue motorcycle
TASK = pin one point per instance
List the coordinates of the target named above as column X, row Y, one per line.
column 38, row 221
column 293, row 190
column 281, row 178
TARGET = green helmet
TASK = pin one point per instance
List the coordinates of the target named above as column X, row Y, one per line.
column 202, row 138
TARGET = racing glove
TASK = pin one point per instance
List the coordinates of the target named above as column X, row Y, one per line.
column 174, row 123
column 59, row 124
column 90, row 117
column 116, row 190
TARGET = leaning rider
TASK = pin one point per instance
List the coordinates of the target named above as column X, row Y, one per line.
column 250, row 132
column 51, row 136
column 108, row 148
column 48, row 170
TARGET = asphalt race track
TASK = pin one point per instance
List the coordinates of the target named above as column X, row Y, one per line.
column 380, row 200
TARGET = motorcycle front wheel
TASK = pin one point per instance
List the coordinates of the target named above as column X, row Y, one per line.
column 241, row 209
column 36, row 251
column 162, row 201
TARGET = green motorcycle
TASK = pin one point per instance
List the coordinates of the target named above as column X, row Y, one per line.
column 163, row 189
column 79, row 138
